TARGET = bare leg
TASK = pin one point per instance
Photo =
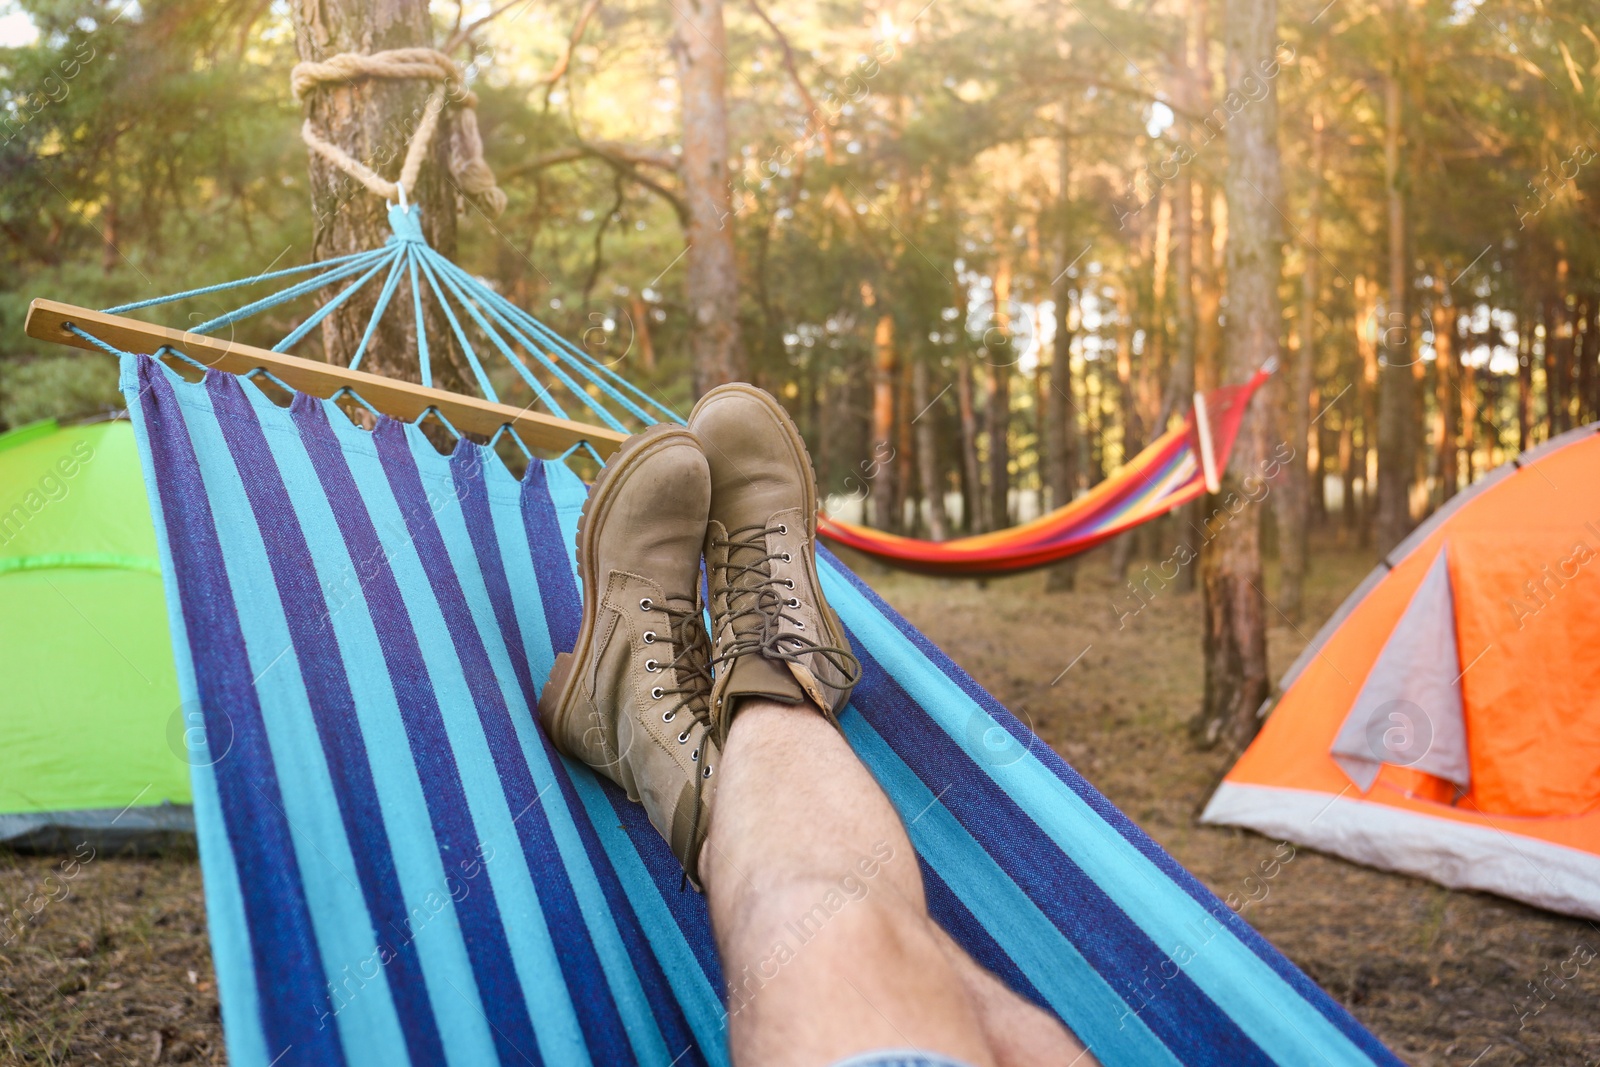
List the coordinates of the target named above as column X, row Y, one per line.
column 820, row 919
column 1019, row 1034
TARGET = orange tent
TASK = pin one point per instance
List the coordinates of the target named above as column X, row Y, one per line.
column 1446, row 721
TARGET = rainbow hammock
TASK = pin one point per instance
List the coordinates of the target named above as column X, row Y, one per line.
column 1177, row 467
column 399, row 868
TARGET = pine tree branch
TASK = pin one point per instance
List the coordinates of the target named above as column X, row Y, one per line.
column 557, row 72
column 626, row 160
column 612, row 151
column 812, row 110
column 459, row 36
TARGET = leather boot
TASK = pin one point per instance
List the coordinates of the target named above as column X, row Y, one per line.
column 773, row 633
column 631, row 699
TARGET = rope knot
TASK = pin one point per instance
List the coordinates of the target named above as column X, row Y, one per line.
column 467, row 164
column 406, row 224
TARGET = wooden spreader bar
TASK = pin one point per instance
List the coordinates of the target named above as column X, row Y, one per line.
column 47, row 320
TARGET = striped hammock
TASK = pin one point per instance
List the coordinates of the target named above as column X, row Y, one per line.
column 1172, row 471
column 399, row 868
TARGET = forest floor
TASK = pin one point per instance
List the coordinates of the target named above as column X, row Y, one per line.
column 119, row 970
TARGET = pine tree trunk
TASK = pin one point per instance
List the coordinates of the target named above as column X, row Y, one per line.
column 1552, row 381
column 1467, row 440
column 1235, row 640
column 373, row 119
column 971, row 484
column 1122, row 546
column 1347, row 477
column 1588, row 349
column 926, row 427
column 1567, row 348
column 1368, row 331
column 1181, row 381
column 1155, row 367
column 1000, row 354
column 716, row 345
column 1062, row 416
column 1095, row 402
column 1395, row 457
column 826, row 426
column 1293, row 501
column 906, row 484
column 882, row 450
column 1207, row 279
column 1560, row 333
column 1316, row 462
column 1493, row 449
column 1447, row 383
column 644, row 341
column 999, row 427
column 1524, row 381
column 1207, row 275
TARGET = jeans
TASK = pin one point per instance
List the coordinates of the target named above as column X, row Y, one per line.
column 899, row 1057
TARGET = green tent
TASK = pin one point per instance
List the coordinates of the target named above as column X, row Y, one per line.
column 93, row 733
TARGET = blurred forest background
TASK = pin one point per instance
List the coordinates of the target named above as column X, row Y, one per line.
column 984, row 251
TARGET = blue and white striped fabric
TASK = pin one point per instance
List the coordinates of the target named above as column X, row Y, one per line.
column 399, row 867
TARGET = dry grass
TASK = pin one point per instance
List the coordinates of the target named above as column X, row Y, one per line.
column 112, row 966
column 119, row 970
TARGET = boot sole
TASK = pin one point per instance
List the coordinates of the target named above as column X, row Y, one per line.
column 556, row 699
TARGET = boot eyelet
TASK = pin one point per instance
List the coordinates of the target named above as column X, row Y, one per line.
column 789, row 582
column 683, row 738
column 786, row 559
column 652, row 666
column 792, row 602
column 657, row 693
column 798, row 625
column 669, row 716
column 782, row 529
column 694, row 757
column 706, row 771
column 646, row 604
column 649, row 637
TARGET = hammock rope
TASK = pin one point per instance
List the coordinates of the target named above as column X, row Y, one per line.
column 467, row 164
column 564, row 380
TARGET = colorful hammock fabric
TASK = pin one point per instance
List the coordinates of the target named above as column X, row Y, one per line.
column 400, row 869
column 1167, row 474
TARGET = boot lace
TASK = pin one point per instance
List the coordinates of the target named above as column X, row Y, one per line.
column 691, row 665
column 753, row 592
